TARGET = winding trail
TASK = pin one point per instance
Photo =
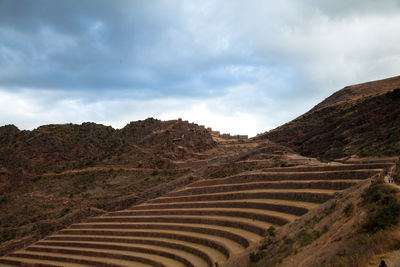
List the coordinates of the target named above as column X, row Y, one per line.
column 393, row 184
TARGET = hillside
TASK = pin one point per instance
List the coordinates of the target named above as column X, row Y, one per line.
column 208, row 222
column 362, row 119
column 356, row 228
column 171, row 193
column 58, row 174
column 58, row 148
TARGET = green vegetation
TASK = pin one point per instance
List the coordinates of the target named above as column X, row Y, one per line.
column 271, row 231
column 306, row 237
column 383, row 207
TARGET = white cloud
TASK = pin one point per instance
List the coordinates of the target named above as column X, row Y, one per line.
column 240, row 67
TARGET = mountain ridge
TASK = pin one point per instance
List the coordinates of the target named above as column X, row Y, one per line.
column 343, row 125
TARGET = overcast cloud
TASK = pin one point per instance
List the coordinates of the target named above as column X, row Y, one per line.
column 239, row 66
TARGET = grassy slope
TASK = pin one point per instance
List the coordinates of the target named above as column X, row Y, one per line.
column 347, row 123
column 346, row 231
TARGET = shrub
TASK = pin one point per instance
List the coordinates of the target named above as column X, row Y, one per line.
column 395, row 94
column 256, row 256
column 271, row 231
column 383, row 207
column 348, row 210
column 307, row 238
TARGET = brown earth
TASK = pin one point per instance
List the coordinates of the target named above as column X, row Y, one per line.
column 362, row 120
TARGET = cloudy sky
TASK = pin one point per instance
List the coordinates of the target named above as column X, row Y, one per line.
column 242, row 67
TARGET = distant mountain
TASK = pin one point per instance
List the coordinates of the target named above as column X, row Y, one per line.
column 362, row 119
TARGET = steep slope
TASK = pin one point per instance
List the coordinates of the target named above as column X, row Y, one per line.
column 206, row 223
column 362, row 119
column 358, row 226
column 58, row 174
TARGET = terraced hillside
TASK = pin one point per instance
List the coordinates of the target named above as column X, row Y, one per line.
column 206, row 223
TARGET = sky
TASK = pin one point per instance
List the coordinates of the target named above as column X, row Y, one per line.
column 240, row 67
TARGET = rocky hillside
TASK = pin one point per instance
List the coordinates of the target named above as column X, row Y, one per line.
column 58, row 174
column 57, row 148
column 362, row 119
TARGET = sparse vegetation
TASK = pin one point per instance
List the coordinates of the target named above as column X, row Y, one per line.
column 383, row 207
column 395, row 94
column 348, row 210
column 256, row 256
column 271, row 231
column 366, row 126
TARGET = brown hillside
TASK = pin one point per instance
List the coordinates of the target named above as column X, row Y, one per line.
column 56, row 175
column 358, row 226
column 363, row 119
column 209, row 222
column 57, row 148
column 361, row 90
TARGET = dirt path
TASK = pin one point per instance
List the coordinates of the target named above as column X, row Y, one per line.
column 393, row 184
column 92, row 169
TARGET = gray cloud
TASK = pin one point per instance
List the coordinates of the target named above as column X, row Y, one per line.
column 115, row 61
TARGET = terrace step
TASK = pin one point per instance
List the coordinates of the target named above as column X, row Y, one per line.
column 251, row 225
column 235, row 234
column 318, row 184
column 225, row 232
column 188, row 259
column 281, row 176
column 286, row 206
column 283, row 206
column 311, row 195
column 342, row 167
column 128, row 258
column 86, row 261
column 224, row 245
column 272, row 217
column 7, row 261
column 172, row 253
column 207, row 253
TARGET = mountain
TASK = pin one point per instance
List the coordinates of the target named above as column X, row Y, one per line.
column 362, row 119
column 56, row 175
column 172, row 193
column 57, row 148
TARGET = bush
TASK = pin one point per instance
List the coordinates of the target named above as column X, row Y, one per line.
column 307, row 238
column 383, row 207
column 348, row 210
column 395, row 94
column 271, row 231
column 256, row 256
